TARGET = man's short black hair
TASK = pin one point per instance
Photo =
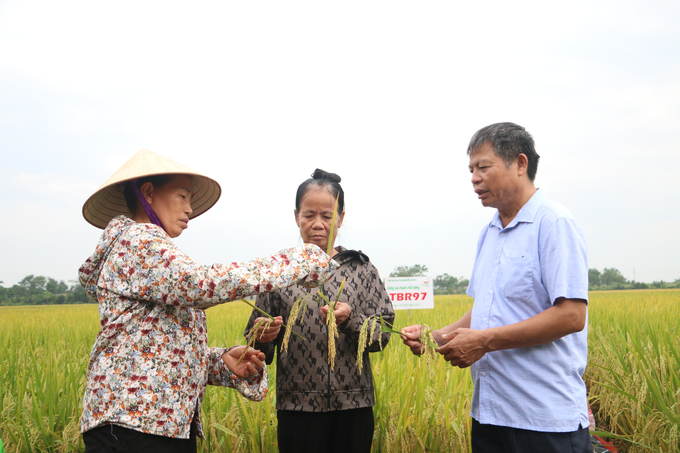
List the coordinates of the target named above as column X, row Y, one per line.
column 508, row 141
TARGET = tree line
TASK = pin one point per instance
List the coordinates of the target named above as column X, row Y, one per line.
column 609, row 278
column 39, row 290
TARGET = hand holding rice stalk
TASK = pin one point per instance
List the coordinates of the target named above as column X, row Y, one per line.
column 331, row 323
column 429, row 346
column 265, row 322
column 252, row 337
column 427, row 340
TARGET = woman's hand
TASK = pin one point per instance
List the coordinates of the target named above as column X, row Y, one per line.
column 266, row 334
column 251, row 364
column 342, row 312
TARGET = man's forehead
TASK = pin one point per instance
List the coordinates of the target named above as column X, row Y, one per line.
column 482, row 155
column 483, row 148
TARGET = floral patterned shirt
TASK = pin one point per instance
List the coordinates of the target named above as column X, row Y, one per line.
column 150, row 363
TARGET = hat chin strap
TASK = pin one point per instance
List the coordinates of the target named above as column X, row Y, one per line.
column 147, row 207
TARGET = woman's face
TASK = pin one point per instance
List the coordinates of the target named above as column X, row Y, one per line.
column 172, row 203
column 315, row 217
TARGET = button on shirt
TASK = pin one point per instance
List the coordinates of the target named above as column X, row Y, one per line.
column 520, row 271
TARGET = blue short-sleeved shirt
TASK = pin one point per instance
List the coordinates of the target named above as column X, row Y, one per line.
column 520, row 271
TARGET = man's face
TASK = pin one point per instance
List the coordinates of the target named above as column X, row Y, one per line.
column 494, row 183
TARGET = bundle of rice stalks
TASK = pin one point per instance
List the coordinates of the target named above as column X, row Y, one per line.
column 266, row 322
column 365, row 338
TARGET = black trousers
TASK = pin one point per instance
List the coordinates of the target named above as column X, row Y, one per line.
column 345, row 431
column 116, row 439
column 501, row 439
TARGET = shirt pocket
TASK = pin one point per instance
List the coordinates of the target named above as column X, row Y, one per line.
column 517, row 277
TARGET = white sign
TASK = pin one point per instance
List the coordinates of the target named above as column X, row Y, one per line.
column 410, row 292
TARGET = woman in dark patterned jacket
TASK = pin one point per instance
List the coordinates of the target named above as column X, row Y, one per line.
column 319, row 408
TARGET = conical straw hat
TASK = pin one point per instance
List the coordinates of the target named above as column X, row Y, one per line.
column 108, row 201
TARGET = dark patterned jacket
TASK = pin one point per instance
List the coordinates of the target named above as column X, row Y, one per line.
column 304, row 379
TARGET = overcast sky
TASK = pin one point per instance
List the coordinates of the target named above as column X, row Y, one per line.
column 384, row 93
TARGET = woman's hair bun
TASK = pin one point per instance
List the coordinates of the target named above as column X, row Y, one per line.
column 320, row 174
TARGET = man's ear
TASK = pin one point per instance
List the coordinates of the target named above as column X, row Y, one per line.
column 522, row 164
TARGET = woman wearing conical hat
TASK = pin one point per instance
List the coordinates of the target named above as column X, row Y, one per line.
column 150, row 362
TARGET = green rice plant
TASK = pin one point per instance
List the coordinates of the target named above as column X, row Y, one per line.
column 44, row 353
column 634, row 367
column 413, row 408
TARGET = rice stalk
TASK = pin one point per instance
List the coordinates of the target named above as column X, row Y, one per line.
column 331, row 322
column 270, row 317
column 294, row 311
column 365, row 339
column 373, row 326
column 252, row 337
column 363, row 333
column 426, row 340
column 332, row 335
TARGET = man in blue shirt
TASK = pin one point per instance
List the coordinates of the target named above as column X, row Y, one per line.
column 525, row 339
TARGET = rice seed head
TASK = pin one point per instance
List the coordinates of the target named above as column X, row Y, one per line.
column 332, row 334
column 366, row 337
column 426, row 339
column 363, row 333
column 294, row 312
column 373, row 327
column 252, row 337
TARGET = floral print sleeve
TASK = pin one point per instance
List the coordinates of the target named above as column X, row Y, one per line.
column 147, row 265
column 254, row 388
column 150, row 363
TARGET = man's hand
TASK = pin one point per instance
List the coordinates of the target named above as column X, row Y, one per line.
column 267, row 334
column 342, row 312
column 464, row 347
column 411, row 337
column 251, row 364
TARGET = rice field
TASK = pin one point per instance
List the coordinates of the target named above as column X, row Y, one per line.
column 633, row 377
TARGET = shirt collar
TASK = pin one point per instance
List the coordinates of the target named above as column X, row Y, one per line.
column 527, row 214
